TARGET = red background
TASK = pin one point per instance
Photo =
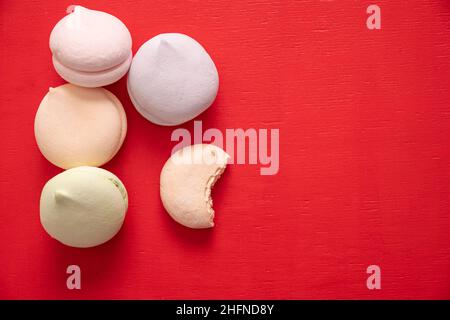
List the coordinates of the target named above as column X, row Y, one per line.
column 364, row 121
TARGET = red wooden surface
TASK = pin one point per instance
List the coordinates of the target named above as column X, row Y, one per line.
column 364, row 119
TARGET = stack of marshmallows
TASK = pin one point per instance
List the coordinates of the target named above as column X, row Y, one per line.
column 80, row 126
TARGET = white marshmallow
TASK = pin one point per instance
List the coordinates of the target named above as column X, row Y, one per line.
column 90, row 48
column 172, row 79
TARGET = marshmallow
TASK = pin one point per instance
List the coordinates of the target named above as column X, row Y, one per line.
column 186, row 181
column 76, row 126
column 90, row 48
column 172, row 79
column 83, row 207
